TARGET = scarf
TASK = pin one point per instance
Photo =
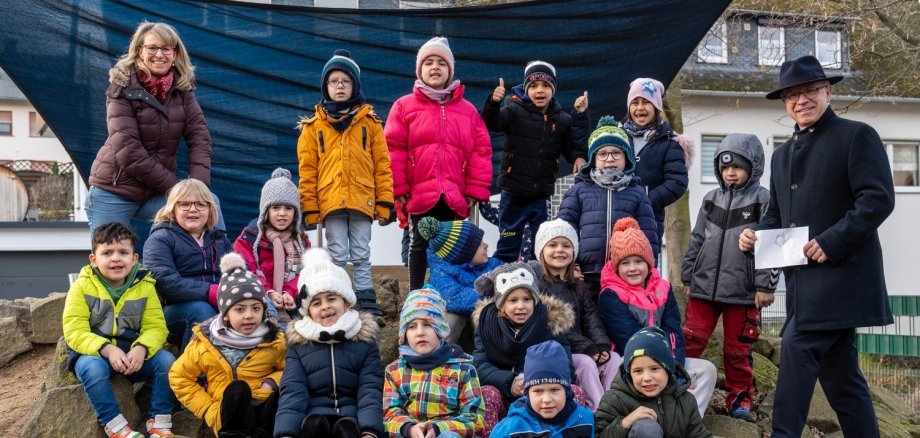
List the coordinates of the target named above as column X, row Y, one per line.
column 157, row 86
column 646, row 132
column 440, row 96
column 430, row 361
column 610, row 179
column 344, row 109
column 505, row 344
column 643, row 303
column 347, row 326
column 281, row 241
column 232, row 338
column 117, row 292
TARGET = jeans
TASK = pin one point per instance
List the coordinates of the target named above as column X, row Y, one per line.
column 181, row 317
column 645, row 428
column 94, row 373
column 103, row 207
column 348, row 239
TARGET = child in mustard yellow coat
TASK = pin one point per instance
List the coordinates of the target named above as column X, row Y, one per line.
column 345, row 176
column 241, row 353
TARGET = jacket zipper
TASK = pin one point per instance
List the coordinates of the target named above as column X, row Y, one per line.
column 117, row 175
column 443, row 143
column 609, row 229
column 731, row 196
column 661, row 418
column 335, row 385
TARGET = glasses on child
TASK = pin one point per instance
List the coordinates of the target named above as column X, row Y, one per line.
column 810, row 93
column 186, row 206
column 615, row 156
column 152, row 49
column 339, row 83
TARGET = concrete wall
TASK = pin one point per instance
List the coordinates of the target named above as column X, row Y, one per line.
column 708, row 114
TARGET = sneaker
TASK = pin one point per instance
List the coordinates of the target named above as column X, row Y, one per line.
column 159, row 425
column 744, row 414
column 119, row 428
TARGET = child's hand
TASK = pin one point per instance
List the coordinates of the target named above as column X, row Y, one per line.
column 581, row 104
column 579, row 163
column 640, row 413
column 134, row 360
column 763, row 299
column 517, row 387
column 266, row 385
column 577, row 273
column 499, row 92
column 115, row 357
column 746, row 240
column 687, row 291
column 276, row 298
column 421, row 430
column 603, row 357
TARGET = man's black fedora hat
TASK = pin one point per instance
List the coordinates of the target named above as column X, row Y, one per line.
column 801, row 71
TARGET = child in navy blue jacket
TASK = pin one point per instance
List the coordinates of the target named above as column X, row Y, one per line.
column 537, row 131
column 605, row 190
column 332, row 383
column 549, row 409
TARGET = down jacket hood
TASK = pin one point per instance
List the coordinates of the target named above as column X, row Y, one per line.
column 561, row 316
column 749, row 147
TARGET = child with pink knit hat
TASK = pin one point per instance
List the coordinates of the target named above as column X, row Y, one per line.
column 662, row 156
column 440, row 150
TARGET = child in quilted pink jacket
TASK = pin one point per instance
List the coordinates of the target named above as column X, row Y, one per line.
column 440, row 150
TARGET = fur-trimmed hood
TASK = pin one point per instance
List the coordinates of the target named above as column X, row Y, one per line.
column 368, row 332
column 561, row 316
column 121, row 77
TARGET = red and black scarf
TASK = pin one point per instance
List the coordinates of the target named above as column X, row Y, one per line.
column 158, row 86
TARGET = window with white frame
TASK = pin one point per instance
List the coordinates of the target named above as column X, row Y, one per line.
column 714, row 47
column 708, row 146
column 6, row 123
column 827, row 48
column 771, row 45
column 905, row 157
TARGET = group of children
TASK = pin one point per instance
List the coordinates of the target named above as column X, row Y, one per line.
column 583, row 339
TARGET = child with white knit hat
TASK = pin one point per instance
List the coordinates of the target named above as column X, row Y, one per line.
column 432, row 389
column 333, row 377
column 556, row 244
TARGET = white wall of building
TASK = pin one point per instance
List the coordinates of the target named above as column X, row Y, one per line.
column 715, row 113
column 20, row 146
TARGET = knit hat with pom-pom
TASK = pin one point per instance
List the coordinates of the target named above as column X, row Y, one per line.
column 341, row 60
column 278, row 190
column 629, row 240
column 237, row 284
column 456, row 242
column 319, row 275
column 609, row 133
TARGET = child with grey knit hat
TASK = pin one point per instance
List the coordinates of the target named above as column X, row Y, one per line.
column 512, row 316
column 273, row 242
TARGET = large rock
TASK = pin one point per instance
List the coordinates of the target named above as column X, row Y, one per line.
column 388, row 342
column 721, row 425
column 16, row 308
column 895, row 418
column 765, row 373
column 13, row 341
column 58, row 374
column 820, row 414
column 46, row 318
column 388, row 298
column 66, row 411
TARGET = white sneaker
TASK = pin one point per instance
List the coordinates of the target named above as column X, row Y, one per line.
column 119, row 428
column 158, row 426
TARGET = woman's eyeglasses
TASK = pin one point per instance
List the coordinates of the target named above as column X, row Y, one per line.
column 152, row 49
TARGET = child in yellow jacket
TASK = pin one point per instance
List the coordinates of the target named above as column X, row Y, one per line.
column 113, row 323
column 345, row 176
column 241, row 353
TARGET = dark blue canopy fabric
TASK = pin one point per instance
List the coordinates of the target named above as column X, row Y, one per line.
column 258, row 66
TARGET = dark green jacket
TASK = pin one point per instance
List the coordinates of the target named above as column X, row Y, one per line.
column 675, row 406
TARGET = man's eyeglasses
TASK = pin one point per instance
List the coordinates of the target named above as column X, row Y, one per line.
column 810, row 93
column 186, row 206
column 339, row 83
column 615, row 156
column 152, row 49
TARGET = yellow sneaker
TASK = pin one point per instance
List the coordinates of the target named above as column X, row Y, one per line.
column 158, row 427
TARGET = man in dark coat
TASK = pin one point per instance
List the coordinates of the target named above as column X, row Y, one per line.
column 832, row 176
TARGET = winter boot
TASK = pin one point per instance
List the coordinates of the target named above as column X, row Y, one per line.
column 159, row 426
column 119, row 428
column 367, row 301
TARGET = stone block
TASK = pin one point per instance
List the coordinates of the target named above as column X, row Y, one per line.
column 46, row 318
column 13, row 341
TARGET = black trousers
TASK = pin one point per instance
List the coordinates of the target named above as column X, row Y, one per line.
column 329, row 426
column 241, row 418
column 418, row 257
column 831, row 358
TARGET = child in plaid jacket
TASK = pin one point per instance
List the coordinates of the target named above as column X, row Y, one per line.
column 433, row 385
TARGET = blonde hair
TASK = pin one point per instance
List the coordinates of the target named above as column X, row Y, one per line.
column 185, row 79
column 182, row 190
